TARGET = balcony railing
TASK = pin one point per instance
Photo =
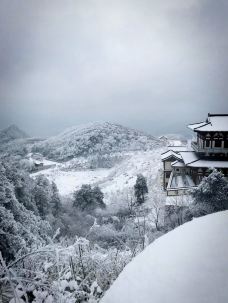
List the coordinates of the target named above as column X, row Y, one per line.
column 215, row 150
column 194, row 146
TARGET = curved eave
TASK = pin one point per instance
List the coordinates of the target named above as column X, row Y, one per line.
column 196, row 126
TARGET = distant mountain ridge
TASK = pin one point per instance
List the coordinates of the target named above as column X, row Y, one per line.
column 12, row 133
column 175, row 137
column 95, row 138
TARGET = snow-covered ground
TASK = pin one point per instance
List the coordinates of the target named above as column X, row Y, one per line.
column 68, row 181
column 187, row 265
column 39, row 159
column 111, row 180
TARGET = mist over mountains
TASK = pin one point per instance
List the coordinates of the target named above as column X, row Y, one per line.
column 95, row 138
column 80, row 141
column 12, row 133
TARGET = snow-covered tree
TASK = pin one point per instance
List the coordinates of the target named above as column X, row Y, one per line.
column 95, row 139
column 140, row 188
column 157, row 209
column 23, row 186
column 19, row 228
column 42, row 195
column 79, row 272
column 211, row 195
column 55, row 201
column 10, row 239
column 88, row 198
column 177, row 211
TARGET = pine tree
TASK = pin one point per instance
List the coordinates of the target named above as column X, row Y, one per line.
column 140, row 188
column 211, row 195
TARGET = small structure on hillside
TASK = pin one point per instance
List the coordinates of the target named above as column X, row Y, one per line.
column 38, row 162
column 184, row 167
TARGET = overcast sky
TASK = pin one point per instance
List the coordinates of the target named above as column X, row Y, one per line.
column 151, row 65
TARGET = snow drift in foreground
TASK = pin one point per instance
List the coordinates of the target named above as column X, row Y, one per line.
column 187, row 265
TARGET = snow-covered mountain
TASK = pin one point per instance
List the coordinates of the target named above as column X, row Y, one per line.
column 11, row 133
column 95, row 139
column 175, row 137
column 187, row 265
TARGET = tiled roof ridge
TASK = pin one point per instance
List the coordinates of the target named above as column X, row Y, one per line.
column 197, row 123
column 219, row 115
column 169, row 151
column 192, row 162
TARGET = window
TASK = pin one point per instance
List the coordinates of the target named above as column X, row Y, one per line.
column 218, row 143
column 226, row 144
column 207, row 143
column 216, row 135
column 167, row 174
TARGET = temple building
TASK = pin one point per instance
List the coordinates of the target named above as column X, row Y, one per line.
column 184, row 166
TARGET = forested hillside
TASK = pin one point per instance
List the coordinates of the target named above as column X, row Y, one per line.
column 94, row 139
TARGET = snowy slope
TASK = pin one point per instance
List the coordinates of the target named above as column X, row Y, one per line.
column 187, row 265
column 95, row 138
column 15, row 142
column 111, row 180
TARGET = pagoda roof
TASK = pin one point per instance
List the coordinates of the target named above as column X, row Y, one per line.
column 189, row 157
column 170, row 154
column 214, row 123
column 178, row 163
column 181, row 148
column 209, row 164
column 196, row 125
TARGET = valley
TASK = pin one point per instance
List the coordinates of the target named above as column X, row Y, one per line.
column 115, row 180
column 94, row 161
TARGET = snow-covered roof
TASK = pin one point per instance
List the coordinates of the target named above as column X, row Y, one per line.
column 177, row 164
column 38, row 162
column 178, row 149
column 170, row 154
column 188, row 264
column 209, row 164
column 214, row 123
column 196, row 125
column 163, row 137
column 189, row 157
column 180, row 182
